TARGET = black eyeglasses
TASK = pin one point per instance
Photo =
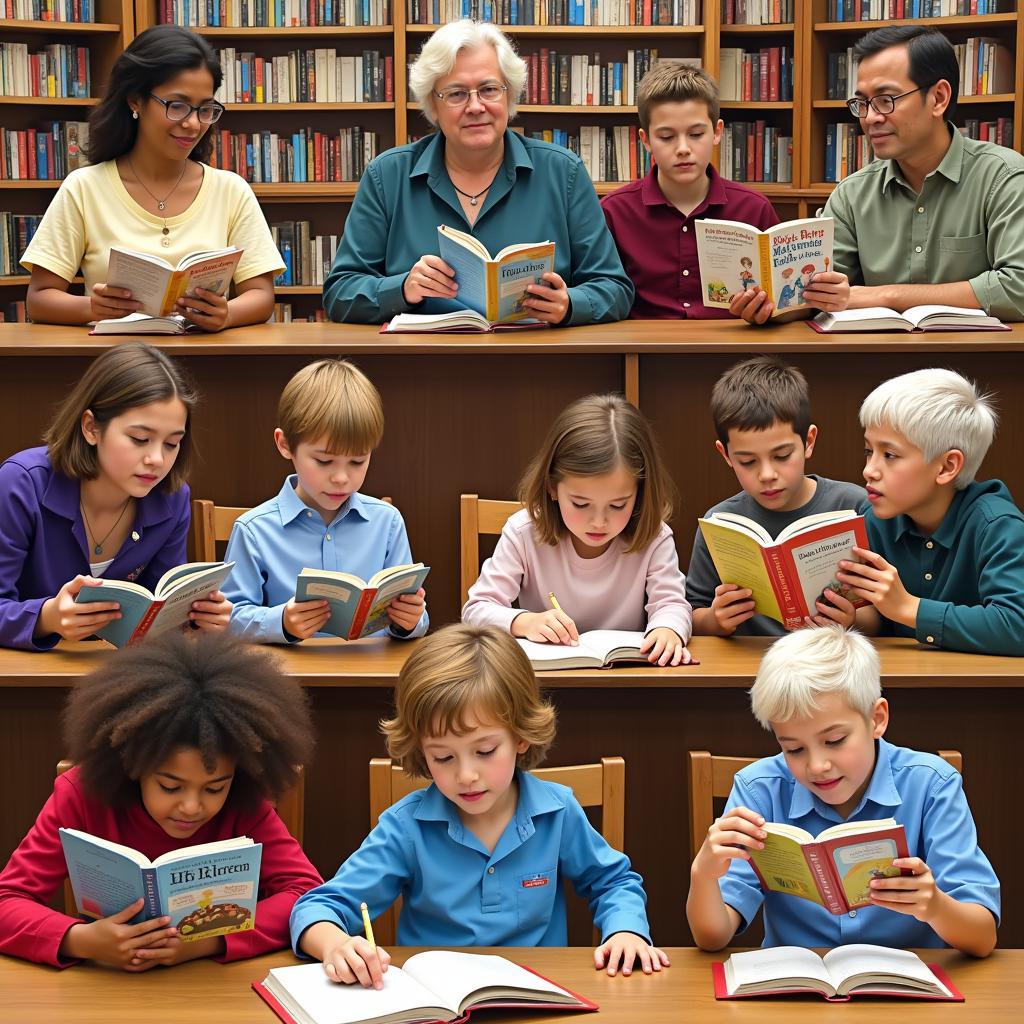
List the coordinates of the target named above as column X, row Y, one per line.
column 884, row 104
column 177, row 110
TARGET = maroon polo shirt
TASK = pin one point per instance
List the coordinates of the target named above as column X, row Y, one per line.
column 658, row 245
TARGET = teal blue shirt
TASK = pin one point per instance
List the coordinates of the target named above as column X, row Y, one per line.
column 541, row 192
column 969, row 574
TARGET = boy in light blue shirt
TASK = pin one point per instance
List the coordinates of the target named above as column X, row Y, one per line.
column 330, row 421
column 819, row 691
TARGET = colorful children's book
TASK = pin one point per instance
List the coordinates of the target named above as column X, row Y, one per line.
column 917, row 318
column 437, row 985
column 788, row 574
column 833, row 869
column 358, row 607
column 206, row 890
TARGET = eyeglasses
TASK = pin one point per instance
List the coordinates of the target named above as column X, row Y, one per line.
column 460, row 97
column 177, row 110
column 883, row 104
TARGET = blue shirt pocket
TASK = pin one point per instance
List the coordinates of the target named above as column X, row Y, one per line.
column 535, row 898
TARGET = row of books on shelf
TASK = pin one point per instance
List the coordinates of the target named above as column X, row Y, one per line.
column 999, row 131
column 583, row 79
column 306, row 76
column 557, row 12
column 303, row 156
column 16, row 231
column 756, row 151
column 55, row 71
column 764, row 75
column 986, row 67
column 895, row 10
column 284, row 314
column 13, row 312
column 757, row 12
column 274, row 13
column 49, row 10
column 609, row 154
column 846, row 151
column 308, row 258
column 45, row 153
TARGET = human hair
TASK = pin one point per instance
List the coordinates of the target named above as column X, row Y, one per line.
column 758, row 393
column 811, row 663
column 332, row 399
column 591, row 437
column 936, row 410
column 930, row 56
column 459, row 672
column 203, row 691
column 670, row 81
column 150, row 59
column 439, row 52
column 124, row 377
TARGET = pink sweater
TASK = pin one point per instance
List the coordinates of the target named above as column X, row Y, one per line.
column 32, row 930
column 638, row 591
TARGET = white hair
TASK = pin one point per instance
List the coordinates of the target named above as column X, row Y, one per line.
column 803, row 666
column 437, row 58
column 935, row 410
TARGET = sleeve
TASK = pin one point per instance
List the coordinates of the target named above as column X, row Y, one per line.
column 844, row 246
column 1001, row 289
column 357, row 290
column 490, row 600
column 244, row 588
column 739, row 886
column 285, row 874
column 174, row 551
column 603, row 877
column 60, row 240
column 666, row 589
column 377, row 874
column 768, row 217
column 248, row 231
column 702, row 576
column 996, row 624
column 399, row 553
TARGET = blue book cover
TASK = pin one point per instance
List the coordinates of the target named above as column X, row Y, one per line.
column 42, row 171
column 285, row 277
column 830, row 152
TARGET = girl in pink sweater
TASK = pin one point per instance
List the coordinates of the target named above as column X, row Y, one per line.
column 593, row 533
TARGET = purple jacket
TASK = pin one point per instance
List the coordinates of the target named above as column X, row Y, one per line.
column 43, row 544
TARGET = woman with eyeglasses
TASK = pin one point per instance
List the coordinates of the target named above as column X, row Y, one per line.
column 477, row 175
column 148, row 188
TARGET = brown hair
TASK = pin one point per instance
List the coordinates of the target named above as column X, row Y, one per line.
column 758, row 393
column 207, row 692
column 122, row 378
column 591, row 437
column 456, row 671
column 669, row 81
column 335, row 400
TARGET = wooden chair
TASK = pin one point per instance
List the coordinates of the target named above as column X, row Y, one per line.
column 711, row 776
column 478, row 516
column 594, row 785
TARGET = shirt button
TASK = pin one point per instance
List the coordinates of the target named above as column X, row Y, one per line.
column 853, row 913
column 328, row 536
column 686, row 273
column 930, row 639
column 927, row 575
column 917, row 248
column 685, row 228
column 308, row 514
column 490, row 871
column 686, row 305
column 929, row 544
column 165, row 242
column 920, row 209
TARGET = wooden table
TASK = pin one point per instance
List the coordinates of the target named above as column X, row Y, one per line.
column 206, row 992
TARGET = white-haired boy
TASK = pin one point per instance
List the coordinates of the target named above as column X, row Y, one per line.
column 819, row 691
column 947, row 559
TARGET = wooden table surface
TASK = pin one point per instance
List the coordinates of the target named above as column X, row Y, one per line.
column 219, row 994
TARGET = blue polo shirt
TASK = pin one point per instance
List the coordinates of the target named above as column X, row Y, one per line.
column 272, row 542
column 541, row 191
column 455, row 893
column 921, row 791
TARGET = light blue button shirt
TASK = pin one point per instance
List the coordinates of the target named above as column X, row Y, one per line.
column 270, row 543
column 922, row 792
column 455, row 893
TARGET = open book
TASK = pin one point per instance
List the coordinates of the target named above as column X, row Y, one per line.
column 206, row 890
column 833, row 869
column 142, row 323
column 598, row 648
column 158, row 285
column 462, row 321
column 782, row 260
column 494, row 286
column 432, row 986
column 788, row 574
column 854, row 970
column 917, row 318
column 143, row 611
column 358, row 607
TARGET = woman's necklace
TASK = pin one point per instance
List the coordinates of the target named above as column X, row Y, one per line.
column 97, row 548
column 161, row 204
column 472, row 199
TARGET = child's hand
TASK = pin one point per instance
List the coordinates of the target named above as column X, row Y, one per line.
column 726, row 840
column 406, row 610
column 75, row 621
column 304, row 618
column 752, row 305
column 550, row 627
column 878, row 582
column 732, row 605
column 110, row 303
column 828, row 290
column 114, row 942
column 170, row 951
column 666, row 647
column 915, row 894
column 355, row 960
column 213, row 614
column 626, row 948
column 837, row 609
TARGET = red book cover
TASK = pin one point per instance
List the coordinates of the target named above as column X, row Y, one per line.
column 774, row 72
column 762, row 71
column 389, row 79
column 30, row 152
column 748, row 76
column 545, row 77
column 647, row 12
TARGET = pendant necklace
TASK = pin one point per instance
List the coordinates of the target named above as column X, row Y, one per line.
column 472, row 199
column 98, row 545
column 161, row 204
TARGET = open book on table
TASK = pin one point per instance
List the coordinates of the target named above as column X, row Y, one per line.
column 788, row 574
column 142, row 323
column 461, row 321
column 434, row 986
column 854, row 970
column 917, row 318
column 598, row 648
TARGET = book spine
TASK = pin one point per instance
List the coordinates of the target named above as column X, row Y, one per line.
column 359, row 619
column 773, row 563
column 764, row 248
column 151, row 894
column 817, row 861
column 145, row 623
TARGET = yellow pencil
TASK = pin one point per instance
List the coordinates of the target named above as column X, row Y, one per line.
column 367, row 927
column 554, row 601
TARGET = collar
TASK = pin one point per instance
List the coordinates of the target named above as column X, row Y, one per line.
column 291, row 506
column 430, row 162
column 948, row 530
column 881, row 790
column 63, row 497
column 950, row 166
column 651, row 194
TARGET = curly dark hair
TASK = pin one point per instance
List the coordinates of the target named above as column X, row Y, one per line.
column 205, row 691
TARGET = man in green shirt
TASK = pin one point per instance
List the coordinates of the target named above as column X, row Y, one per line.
column 936, row 217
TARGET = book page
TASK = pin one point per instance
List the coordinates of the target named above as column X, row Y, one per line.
column 846, row 963
column 182, row 572
column 808, row 523
column 729, row 260
column 605, row 642
column 106, row 878
column 147, row 280
column 543, row 653
column 739, row 559
column 470, row 273
column 817, row 561
column 459, row 320
column 406, row 583
column 178, row 601
column 783, row 868
column 798, row 250
column 759, row 968
column 917, row 314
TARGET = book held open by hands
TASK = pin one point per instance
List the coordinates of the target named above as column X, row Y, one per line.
column 917, row 318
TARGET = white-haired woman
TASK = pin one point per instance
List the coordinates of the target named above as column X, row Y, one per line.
column 477, row 175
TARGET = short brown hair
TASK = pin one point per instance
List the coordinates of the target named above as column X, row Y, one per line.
column 758, row 393
column 670, row 81
column 335, row 400
column 122, row 378
column 452, row 673
column 589, row 438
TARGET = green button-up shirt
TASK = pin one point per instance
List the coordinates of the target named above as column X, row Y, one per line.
column 967, row 224
column 541, row 192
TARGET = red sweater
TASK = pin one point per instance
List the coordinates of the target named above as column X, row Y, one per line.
column 32, row 930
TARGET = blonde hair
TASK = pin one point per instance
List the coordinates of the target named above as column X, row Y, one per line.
column 592, row 437
column 458, row 671
column 335, row 400
column 669, row 81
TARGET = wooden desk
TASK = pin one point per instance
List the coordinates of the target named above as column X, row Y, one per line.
column 205, row 992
